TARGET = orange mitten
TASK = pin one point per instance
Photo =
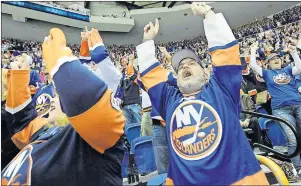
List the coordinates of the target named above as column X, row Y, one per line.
column 54, row 48
column 94, row 38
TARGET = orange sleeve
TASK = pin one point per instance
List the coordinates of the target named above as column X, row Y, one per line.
column 22, row 138
column 18, row 95
column 100, row 127
column 20, row 110
column 84, row 50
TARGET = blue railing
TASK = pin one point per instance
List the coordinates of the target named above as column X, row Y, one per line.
column 50, row 10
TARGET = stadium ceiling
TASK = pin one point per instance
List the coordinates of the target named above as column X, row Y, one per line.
column 131, row 5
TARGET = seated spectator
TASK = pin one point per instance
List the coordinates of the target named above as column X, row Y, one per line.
column 249, row 121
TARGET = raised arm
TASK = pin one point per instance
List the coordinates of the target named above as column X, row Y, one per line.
column 84, row 53
column 87, row 102
column 153, row 76
column 224, row 50
column 95, row 51
column 166, row 54
column 297, row 68
column 253, row 63
column 22, row 118
column 99, row 54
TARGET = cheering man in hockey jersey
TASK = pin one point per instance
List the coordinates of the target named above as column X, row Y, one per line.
column 207, row 145
column 89, row 150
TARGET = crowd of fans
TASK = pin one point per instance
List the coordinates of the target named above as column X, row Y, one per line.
column 274, row 35
column 287, row 16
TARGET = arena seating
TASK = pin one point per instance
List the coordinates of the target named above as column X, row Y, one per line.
column 133, row 131
column 142, row 149
column 274, row 131
column 157, row 180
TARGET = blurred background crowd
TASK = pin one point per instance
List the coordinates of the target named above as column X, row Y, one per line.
column 273, row 33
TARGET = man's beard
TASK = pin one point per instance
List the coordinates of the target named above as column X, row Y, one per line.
column 191, row 86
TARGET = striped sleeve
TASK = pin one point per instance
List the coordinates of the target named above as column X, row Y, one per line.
column 21, row 114
column 89, row 105
column 154, row 78
column 224, row 50
column 109, row 73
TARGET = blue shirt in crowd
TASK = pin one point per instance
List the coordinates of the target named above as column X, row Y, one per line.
column 282, row 87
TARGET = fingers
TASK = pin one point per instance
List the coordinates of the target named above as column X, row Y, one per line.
column 58, row 36
column 157, row 25
column 46, row 40
column 89, row 37
column 146, row 28
column 89, row 40
column 95, row 36
column 151, row 25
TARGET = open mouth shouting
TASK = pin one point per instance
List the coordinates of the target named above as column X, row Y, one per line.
column 187, row 74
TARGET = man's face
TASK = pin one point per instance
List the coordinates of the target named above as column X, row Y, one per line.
column 191, row 76
column 275, row 63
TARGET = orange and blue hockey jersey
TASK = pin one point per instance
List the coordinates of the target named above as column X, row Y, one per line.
column 105, row 67
column 206, row 142
column 88, row 151
column 172, row 81
column 43, row 98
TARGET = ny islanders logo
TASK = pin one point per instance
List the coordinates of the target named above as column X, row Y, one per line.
column 196, row 130
column 282, row 79
column 43, row 104
column 18, row 171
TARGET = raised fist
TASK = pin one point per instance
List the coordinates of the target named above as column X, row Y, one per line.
column 151, row 30
column 54, row 48
column 21, row 63
column 93, row 37
column 200, row 8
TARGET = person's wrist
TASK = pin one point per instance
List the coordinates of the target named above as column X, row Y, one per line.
column 208, row 13
column 147, row 39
